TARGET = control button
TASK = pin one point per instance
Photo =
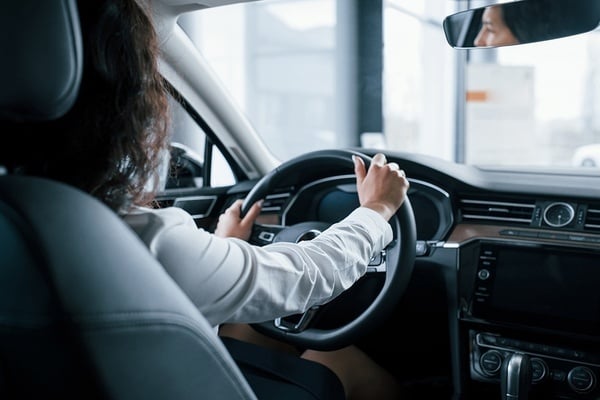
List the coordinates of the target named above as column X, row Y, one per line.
column 487, row 339
column 581, row 379
column 580, row 217
column 528, row 234
column 483, row 274
column 266, row 236
column 487, row 263
column 545, row 349
column 516, row 343
column 488, row 253
column 561, row 352
column 558, row 375
column 553, row 236
column 422, row 248
column 491, row 362
column 521, row 233
column 376, row 260
column 539, row 370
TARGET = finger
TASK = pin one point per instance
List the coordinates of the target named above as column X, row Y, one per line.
column 379, row 159
column 359, row 168
column 236, row 207
column 253, row 212
column 393, row 166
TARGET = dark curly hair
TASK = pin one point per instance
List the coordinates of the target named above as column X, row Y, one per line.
column 536, row 20
column 111, row 143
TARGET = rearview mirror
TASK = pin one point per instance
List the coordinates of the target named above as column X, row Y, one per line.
column 520, row 22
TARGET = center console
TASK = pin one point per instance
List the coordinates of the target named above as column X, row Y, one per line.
column 537, row 304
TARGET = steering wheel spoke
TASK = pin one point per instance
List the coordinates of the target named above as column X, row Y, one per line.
column 297, row 323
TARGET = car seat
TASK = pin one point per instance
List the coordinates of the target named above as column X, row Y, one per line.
column 85, row 310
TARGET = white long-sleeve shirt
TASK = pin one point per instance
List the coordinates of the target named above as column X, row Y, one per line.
column 230, row 280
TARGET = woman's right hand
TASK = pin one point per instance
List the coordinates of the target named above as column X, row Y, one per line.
column 382, row 187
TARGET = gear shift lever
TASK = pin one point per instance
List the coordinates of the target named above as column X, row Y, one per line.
column 515, row 377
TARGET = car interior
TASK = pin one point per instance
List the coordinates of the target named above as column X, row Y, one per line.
column 489, row 290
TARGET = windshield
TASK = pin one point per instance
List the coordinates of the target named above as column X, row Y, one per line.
column 314, row 74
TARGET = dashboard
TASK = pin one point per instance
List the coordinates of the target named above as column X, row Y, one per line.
column 527, row 277
column 522, row 264
column 507, row 266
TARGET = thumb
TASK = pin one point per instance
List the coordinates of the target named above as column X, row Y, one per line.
column 359, row 168
column 235, row 208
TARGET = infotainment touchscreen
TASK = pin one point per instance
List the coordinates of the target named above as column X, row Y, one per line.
column 546, row 286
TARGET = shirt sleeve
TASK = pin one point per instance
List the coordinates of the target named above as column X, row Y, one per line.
column 230, row 280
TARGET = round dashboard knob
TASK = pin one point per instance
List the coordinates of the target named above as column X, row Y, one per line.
column 539, row 370
column 581, row 379
column 491, row 362
column 558, row 214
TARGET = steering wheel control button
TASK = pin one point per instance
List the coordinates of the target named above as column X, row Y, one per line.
column 266, row 236
column 422, row 248
column 581, row 379
column 491, row 362
column 376, row 260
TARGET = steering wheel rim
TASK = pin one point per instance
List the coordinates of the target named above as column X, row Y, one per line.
column 400, row 254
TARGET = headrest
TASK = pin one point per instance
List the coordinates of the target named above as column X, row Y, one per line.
column 41, row 52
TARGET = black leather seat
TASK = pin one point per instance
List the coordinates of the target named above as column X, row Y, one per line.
column 85, row 310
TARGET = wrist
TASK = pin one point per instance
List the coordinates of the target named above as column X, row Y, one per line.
column 385, row 210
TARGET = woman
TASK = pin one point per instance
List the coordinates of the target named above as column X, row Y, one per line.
column 111, row 144
column 494, row 29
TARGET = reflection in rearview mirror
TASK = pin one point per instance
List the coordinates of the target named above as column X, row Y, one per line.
column 520, row 22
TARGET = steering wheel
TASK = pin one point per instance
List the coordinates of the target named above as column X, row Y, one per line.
column 396, row 261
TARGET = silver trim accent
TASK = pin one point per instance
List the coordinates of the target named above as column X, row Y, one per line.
column 429, row 185
column 502, row 203
column 558, row 203
column 451, row 245
column 592, row 211
column 500, row 206
column 307, row 316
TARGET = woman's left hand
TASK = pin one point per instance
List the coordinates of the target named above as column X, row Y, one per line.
column 231, row 225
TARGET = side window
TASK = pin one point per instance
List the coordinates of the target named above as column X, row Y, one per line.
column 187, row 166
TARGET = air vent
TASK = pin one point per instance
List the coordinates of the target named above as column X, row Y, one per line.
column 274, row 203
column 485, row 210
column 592, row 220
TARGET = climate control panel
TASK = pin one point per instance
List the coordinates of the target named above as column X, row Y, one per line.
column 556, row 372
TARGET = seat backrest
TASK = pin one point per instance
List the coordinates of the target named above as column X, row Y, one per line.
column 85, row 310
